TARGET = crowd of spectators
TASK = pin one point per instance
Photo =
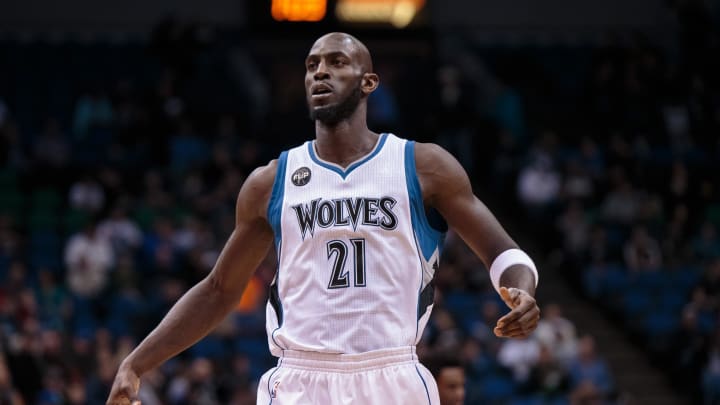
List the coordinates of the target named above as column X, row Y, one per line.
column 109, row 212
column 633, row 197
column 117, row 194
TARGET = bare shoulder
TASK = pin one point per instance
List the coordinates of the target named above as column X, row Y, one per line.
column 429, row 151
column 438, row 171
column 255, row 192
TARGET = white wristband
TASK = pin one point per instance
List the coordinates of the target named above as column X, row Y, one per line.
column 507, row 259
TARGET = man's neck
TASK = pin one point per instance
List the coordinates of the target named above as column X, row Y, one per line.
column 344, row 142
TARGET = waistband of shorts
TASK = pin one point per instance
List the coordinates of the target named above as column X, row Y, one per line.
column 348, row 362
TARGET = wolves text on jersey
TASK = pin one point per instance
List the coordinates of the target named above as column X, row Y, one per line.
column 346, row 212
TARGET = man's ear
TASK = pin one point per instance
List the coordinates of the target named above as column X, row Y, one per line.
column 369, row 83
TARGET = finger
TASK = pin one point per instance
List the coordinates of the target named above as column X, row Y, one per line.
column 516, row 329
column 526, row 320
column 508, row 296
column 526, row 304
column 519, row 327
column 514, row 334
column 511, row 317
column 527, row 326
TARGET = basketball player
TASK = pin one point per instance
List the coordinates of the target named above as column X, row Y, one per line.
column 351, row 217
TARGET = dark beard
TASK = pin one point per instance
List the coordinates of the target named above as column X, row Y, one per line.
column 332, row 115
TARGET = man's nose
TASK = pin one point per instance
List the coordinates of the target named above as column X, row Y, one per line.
column 321, row 72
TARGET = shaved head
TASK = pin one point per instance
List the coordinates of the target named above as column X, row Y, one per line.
column 355, row 48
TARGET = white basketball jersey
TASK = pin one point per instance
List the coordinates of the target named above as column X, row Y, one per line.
column 356, row 253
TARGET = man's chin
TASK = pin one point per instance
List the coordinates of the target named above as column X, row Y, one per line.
column 323, row 113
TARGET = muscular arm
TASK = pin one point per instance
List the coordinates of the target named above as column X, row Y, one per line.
column 446, row 187
column 211, row 300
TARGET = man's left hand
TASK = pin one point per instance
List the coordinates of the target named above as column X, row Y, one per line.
column 524, row 317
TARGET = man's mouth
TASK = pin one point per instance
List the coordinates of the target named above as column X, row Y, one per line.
column 321, row 90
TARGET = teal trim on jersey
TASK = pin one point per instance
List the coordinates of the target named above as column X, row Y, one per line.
column 275, row 289
column 274, row 208
column 428, row 237
column 345, row 172
column 427, row 392
column 274, row 217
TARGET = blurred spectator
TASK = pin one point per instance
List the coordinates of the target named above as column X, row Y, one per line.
column 447, row 335
column 150, row 390
column 548, row 377
column 578, row 184
column 483, row 330
column 87, row 195
column 92, row 110
column 575, row 229
column 89, row 260
column 557, row 335
column 589, row 374
column 123, row 234
column 622, row 203
column 195, row 386
column 642, row 252
column 449, row 376
column 54, row 302
column 519, row 356
column 539, row 182
column 159, row 247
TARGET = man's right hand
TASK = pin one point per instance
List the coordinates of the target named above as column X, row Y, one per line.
column 125, row 388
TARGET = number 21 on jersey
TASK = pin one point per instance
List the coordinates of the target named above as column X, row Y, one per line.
column 337, row 251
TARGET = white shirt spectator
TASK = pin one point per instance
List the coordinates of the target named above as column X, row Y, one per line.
column 88, row 258
column 539, row 184
column 120, row 231
column 557, row 334
column 519, row 355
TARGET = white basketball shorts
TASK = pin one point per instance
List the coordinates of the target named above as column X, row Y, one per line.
column 381, row 377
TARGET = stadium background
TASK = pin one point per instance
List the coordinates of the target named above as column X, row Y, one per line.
column 591, row 129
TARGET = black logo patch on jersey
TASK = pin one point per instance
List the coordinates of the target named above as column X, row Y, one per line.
column 301, row 176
